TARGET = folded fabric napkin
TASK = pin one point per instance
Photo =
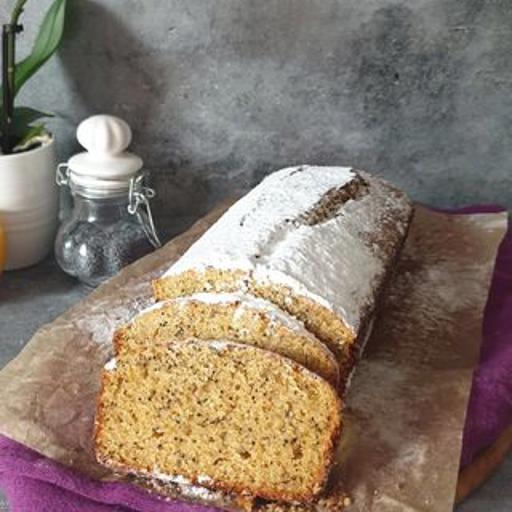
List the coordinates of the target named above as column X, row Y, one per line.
column 34, row 483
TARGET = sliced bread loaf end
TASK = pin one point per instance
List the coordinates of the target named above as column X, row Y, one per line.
column 222, row 415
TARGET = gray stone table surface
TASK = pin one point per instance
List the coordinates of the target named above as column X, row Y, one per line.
column 33, row 297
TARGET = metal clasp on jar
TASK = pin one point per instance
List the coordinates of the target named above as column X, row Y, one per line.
column 138, row 204
column 62, row 175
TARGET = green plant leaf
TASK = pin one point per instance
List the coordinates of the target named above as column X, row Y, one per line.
column 45, row 45
column 24, row 116
column 33, row 132
column 17, row 11
column 21, row 128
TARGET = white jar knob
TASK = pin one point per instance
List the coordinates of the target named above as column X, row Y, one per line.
column 106, row 164
column 104, row 135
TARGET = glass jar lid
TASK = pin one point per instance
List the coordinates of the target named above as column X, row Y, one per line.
column 105, row 169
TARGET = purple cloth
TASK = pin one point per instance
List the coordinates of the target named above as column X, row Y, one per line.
column 490, row 404
column 36, row 484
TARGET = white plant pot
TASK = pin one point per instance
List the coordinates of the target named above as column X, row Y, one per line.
column 28, row 204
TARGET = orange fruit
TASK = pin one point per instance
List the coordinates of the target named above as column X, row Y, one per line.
column 3, row 248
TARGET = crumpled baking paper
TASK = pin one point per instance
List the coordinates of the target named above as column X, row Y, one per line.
column 405, row 411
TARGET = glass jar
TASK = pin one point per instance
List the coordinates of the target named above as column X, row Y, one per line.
column 104, row 232
column 111, row 223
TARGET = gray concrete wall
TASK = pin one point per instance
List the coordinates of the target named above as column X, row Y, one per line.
column 222, row 92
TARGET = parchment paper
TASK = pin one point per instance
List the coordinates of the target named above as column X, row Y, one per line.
column 401, row 445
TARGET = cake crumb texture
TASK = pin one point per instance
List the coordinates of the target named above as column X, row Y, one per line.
column 234, row 417
column 236, row 317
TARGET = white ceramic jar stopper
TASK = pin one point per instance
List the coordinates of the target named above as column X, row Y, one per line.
column 106, row 167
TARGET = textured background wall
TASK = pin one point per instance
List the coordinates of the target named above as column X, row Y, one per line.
column 221, row 92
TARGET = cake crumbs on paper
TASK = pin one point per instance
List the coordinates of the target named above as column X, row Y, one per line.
column 336, row 503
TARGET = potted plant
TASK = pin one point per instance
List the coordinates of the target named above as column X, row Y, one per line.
column 28, row 193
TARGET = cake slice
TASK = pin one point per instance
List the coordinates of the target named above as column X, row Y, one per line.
column 236, row 317
column 221, row 415
column 316, row 241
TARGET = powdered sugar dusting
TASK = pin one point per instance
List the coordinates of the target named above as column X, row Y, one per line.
column 337, row 262
column 201, row 493
column 101, row 322
column 164, row 477
column 111, row 365
column 185, row 486
column 219, row 345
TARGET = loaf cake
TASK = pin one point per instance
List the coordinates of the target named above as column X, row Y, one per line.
column 316, row 241
column 236, row 317
column 230, row 380
column 221, row 415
